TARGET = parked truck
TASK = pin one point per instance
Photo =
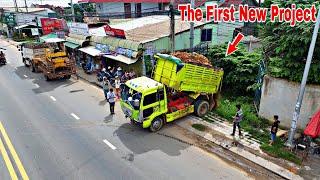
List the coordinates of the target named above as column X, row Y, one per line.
column 48, row 59
column 177, row 89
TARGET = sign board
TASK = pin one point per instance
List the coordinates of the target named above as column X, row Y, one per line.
column 79, row 28
column 119, row 33
column 61, row 34
column 34, row 31
column 10, row 19
column 50, row 25
column 197, row 3
column 103, row 48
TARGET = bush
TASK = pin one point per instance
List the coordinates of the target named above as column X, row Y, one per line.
column 227, row 109
column 240, row 69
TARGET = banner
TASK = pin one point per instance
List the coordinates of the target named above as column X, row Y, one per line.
column 79, row 28
column 119, row 33
column 50, row 25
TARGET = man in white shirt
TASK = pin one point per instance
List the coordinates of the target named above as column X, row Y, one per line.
column 117, row 85
column 111, row 97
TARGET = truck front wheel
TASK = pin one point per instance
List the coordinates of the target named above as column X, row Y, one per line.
column 201, row 107
column 156, row 124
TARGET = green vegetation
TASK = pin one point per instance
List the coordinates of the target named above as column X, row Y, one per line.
column 241, row 69
column 286, row 47
column 254, row 125
column 279, row 150
column 199, row 127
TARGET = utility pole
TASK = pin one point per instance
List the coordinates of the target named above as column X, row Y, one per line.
column 296, row 113
column 172, row 26
column 72, row 11
column 191, row 30
column 15, row 5
column 36, row 19
column 26, row 6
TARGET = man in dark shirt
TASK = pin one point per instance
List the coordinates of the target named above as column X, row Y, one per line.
column 274, row 129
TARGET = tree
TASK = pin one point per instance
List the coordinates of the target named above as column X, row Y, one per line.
column 286, row 47
column 79, row 9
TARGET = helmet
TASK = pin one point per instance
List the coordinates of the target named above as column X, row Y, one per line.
column 119, row 69
column 109, row 67
column 104, row 69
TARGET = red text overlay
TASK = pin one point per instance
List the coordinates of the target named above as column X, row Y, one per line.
column 248, row 14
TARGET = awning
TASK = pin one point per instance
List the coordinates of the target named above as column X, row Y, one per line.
column 122, row 59
column 71, row 45
column 48, row 36
column 24, row 26
column 54, row 40
column 91, row 50
column 76, row 41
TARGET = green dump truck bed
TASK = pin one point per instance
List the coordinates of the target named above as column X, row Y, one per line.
column 180, row 76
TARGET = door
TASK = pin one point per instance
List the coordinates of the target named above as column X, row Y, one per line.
column 127, row 10
column 138, row 10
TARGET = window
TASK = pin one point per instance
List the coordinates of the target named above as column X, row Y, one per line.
column 161, row 94
column 206, row 35
column 150, row 99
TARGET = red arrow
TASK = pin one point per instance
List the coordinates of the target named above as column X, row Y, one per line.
column 232, row 47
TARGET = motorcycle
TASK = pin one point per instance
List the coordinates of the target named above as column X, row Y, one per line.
column 3, row 61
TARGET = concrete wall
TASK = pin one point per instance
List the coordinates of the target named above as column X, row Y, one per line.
column 279, row 97
column 118, row 8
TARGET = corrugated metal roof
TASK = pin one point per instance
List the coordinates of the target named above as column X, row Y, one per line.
column 156, row 30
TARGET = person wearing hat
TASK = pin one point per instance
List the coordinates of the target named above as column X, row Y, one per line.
column 119, row 72
column 117, row 83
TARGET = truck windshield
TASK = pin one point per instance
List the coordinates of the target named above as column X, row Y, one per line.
column 130, row 96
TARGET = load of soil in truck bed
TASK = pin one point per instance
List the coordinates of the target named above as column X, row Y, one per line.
column 193, row 58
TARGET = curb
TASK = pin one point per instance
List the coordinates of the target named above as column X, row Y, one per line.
column 241, row 152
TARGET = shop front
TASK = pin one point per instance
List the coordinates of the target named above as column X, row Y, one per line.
column 120, row 53
column 91, row 59
column 72, row 45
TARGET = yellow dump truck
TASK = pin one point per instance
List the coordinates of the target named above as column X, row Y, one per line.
column 48, row 59
column 176, row 90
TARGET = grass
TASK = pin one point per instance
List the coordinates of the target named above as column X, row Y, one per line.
column 199, row 127
column 278, row 150
column 253, row 124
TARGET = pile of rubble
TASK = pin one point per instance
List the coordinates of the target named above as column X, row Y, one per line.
column 193, row 58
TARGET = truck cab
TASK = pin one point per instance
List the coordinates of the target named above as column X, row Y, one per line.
column 143, row 100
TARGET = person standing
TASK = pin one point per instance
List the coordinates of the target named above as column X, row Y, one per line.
column 237, row 119
column 274, row 129
column 111, row 97
column 105, row 86
column 117, row 83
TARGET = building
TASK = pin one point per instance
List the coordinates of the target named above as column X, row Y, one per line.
column 127, row 8
column 24, row 18
column 144, row 37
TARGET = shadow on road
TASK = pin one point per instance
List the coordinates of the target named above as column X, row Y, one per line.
column 141, row 141
column 38, row 78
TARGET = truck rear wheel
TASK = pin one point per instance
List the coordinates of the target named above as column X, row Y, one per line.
column 201, row 107
column 47, row 77
column 67, row 77
column 156, row 124
column 33, row 69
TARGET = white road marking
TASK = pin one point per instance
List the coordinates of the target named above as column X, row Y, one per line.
column 53, row 99
column 109, row 144
column 25, row 76
column 37, row 86
column 75, row 116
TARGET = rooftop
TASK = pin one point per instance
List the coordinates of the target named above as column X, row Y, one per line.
column 30, row 10
column 147, row 29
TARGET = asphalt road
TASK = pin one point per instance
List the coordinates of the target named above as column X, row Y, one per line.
column 63, row 130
